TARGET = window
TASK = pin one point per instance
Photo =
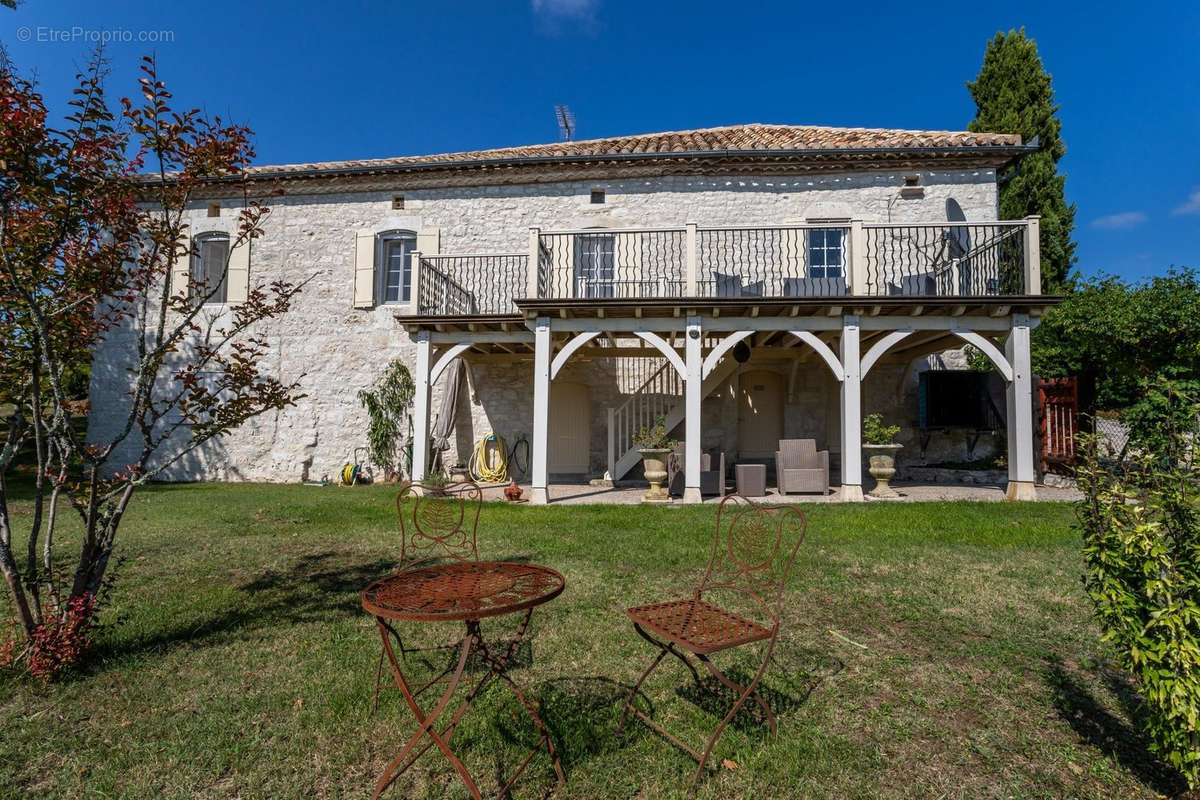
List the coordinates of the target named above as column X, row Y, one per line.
column 825, row 254
column 210, row 257
column 393, row 266
column 597, row 197
column 594, row 264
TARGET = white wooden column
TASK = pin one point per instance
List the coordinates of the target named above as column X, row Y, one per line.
column 1021, row 475
column 541, row 410
column 851, row 407
column 693, row 341
column 420, row 454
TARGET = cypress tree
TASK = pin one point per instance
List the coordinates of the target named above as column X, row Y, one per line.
column 1013, row 95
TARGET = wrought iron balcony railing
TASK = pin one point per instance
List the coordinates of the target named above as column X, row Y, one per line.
column 854, row 259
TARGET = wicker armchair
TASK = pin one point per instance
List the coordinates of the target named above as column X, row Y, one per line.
column 800, row 467
column 712, row 471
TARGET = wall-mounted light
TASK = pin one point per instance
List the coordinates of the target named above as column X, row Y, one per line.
column 398, row 203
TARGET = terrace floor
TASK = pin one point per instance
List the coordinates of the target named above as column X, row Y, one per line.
column 577, row 493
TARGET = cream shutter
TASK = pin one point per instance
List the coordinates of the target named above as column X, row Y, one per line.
column 429, row 241
column 237, row 280
column 364, row 269
column 181, row 268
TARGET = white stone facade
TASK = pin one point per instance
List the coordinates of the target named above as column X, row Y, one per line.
column 334, row 349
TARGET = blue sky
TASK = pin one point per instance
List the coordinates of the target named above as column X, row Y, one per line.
column 327, row 81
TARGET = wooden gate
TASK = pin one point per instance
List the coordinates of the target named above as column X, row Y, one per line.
column 1058, row 404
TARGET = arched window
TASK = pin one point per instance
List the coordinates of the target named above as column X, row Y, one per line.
column 210, row 260
column 393, row 266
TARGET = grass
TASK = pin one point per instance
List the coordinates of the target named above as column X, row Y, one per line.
column 929, row 650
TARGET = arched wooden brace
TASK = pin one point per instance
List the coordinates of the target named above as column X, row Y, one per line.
column 823, row 350
column 879, row 348
column 561, row 357
column 730, row 341
column 661, row 345
column 444, row 358
column 990, row 350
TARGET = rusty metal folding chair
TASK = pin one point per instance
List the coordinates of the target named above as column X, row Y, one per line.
column 754, row 548
column 436, row 524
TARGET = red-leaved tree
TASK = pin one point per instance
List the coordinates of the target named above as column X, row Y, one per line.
column 92, row 218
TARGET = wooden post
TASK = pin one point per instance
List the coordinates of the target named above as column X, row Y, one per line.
column 414, row 282
column 851, row 409
column 538, row 493
column 420, row 452
column 531, row 277
column 612, row 444
column 693, row 344
column 1033, row 255
column 1019, row 399
column 692, row 265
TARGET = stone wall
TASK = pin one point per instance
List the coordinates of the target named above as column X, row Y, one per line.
column 333, row 349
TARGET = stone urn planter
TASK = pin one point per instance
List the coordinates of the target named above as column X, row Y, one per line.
column 882, row 466
column 654, row 465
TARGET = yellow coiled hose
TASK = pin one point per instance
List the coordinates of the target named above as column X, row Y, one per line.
column 489, row 462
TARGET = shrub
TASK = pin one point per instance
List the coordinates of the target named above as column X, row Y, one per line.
column 1140, row 521
column 387, row 405
column 875, row 432
column 656, row 437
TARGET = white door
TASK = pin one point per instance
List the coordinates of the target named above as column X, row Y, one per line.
column 570, row 429
column 760, row 414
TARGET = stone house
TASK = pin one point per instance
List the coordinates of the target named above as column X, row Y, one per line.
column 748, row 283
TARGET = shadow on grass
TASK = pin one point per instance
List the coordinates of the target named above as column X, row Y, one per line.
column 1087, row 715
column 581, row 715
column 792, row 676
column 316, row 587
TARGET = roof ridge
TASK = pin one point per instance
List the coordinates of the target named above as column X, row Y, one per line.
column 746, row 136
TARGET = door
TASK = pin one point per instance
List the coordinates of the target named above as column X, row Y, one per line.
column 595, row 259
column 760, row 414
column 570, row 434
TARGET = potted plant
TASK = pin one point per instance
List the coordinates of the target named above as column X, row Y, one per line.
column 879, row 441
column 435, row 484
column 655, row 445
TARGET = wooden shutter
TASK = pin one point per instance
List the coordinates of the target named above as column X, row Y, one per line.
column 237, row 280
column 181, row 268
column 429, row 241
column 364, row 269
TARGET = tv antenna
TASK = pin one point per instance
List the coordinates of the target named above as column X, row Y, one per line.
column 566, row 122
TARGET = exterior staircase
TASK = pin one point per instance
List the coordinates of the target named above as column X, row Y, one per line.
column 660, row 395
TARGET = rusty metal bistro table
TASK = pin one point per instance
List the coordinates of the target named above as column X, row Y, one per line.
column 463, row 591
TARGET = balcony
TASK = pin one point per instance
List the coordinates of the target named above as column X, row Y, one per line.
column 976, row 260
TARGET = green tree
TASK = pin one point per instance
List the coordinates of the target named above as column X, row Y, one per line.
column 1119, row 336
column 1013, row 94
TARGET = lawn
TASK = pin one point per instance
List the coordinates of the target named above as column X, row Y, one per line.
column 928, row 650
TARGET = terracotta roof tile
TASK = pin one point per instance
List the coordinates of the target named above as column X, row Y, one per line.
column 797, row 138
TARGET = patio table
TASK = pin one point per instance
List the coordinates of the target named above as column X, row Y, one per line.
column 464, row 592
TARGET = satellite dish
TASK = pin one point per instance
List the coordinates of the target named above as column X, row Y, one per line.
column 957, row 236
